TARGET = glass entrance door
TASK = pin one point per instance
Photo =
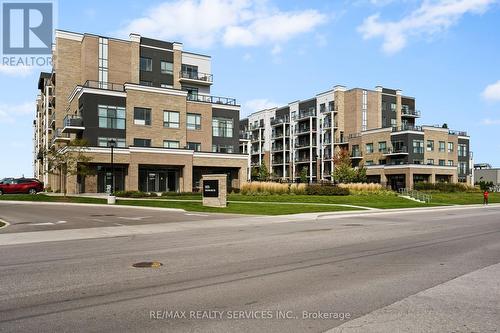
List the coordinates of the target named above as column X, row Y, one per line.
column 159, row 180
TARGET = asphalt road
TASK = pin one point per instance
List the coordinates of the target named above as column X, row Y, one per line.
column 33, row 216
column 348, row 266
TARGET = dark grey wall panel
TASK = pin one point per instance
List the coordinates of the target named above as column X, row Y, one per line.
column 234, row 141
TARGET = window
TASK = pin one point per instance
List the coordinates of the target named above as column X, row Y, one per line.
column 111, row 116
column 418, row 146
column 394, row 123
column 462, row 150
column 364, row 109
column 142, row 142
column 164, row 85
column 146, row 83
column 189, row 71
column 166, row 67
column 450, row 162
column 442, row 146
column 430, row 145
column 171, row 119
column 146, row 64
column 393, row 107
column 370, row 162
column 430, row 161
column 103, row 63
column 193, row 121
column 417, row 161
column 331, row 106
column 442, row 162
column 222, row 149
column 104, row 142
column 322, row 108
column 382, row 147
column 192, row 91
column 171, row 144
column 142, row 116
column 450, row 147
column 196, row 146
column 462, row 168
column 369, row 148
column 222, row 127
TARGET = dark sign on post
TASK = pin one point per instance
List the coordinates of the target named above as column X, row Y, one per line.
column 211, row 188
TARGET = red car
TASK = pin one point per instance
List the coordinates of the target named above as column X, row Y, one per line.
column 20, row 185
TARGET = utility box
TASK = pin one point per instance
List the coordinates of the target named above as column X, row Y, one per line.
column 214, row 190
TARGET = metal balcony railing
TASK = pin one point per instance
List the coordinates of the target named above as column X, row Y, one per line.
column 73, row 121
column 191, row 75
column 211, row 99
column 277, row 121
column 104, row 85
column 408, row 112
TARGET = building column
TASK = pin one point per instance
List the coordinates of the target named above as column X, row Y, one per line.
column 71, row 184
column 399, row 106
column 432, row 177
column 132, row 177
column 383, row 179
column 187, row 179
column 409, row 179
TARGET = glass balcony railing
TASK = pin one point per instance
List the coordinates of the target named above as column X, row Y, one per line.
column 411, row 113
column 104, row 85
column 192, row 75
column 211, row 99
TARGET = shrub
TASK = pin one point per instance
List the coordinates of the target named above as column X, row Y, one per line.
column 317, row 189
column 179, row 194
column 444, row 187
column 265, row 188
column 134, row 194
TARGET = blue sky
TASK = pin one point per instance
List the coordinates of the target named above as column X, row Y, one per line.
column 265, row 53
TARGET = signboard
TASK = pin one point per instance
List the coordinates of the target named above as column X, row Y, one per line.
column 211, row 188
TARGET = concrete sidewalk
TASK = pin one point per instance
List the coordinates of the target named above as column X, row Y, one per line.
column 469, row 303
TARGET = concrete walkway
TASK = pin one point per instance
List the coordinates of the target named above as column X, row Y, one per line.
column 469, row 303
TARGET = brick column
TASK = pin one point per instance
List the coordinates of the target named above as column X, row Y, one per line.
column 132, row 178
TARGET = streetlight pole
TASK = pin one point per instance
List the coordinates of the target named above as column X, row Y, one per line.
column 112, row 144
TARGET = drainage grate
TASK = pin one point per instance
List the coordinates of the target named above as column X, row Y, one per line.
column 148, row 264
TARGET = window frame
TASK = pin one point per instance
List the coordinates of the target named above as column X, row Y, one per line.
column 222, row 131
column 169, row 122
column 167, row 71
column 197, row 146
column 146, row 120
column 149, row 62
column 197, row 123
column 114, row 120
column 145, row 140
column 168, row 142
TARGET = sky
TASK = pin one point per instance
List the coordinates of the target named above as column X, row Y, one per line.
column 267, row 53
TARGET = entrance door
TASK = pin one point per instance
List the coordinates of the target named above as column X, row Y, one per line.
column 172, row 180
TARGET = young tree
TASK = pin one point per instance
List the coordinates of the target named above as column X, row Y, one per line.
column 360, row 176
column 263, row 173
column 70, row 161
column 303, row 175
column 343, row 172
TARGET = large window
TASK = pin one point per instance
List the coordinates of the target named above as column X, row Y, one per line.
column 450, row 162
column 171, row 119
column 462, row 168
column 418, row 146
column 146, row 83
column 103, row 63
column 111, row 116
column 430, row 161
column 142, row 142
column 442, row 162
column 105, row 142
column 369, row 148
column 171, row 144
column 462, row 150
column 450, row 147
column 430, row 145
column 193, row 121
column 222, row 127
column 382, row 147
column 146, row 64
column 166, row 67
column 142, row 116
column 442, row 146
column 222, row 149
column 196, row 146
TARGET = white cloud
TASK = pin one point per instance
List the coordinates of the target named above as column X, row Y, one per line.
column 18, row 71
column 492, row 92
column 433, row 16
column 490, row 122
column 258, row 104
column 10, row 112
column 204, row 23
column 276, row 50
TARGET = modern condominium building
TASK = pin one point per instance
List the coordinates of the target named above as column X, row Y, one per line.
column 148, row 98
column 377, row 127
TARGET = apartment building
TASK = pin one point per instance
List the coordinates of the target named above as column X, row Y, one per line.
column 378, row 127
column 148, row 98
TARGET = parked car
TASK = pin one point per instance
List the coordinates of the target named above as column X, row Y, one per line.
column 20, row 185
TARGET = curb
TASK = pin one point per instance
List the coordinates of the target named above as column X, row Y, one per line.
column 5, row 224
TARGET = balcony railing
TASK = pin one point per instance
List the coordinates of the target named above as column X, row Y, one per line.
column 211, row 99
column 395, row 151
column 196, row 76
column 304, row 159
column 407, row 128
column 104, row 85
column 73, row 121
column 461, row 133
column 59, row 136
column 275, row 148
column 277, row 121
column 356, row 154
column 408, row 112
column 306, row 114
column 305, row 144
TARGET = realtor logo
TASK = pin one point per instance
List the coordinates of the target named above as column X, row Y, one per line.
column 27, row 27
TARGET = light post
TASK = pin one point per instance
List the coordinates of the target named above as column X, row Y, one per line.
column 112, row 144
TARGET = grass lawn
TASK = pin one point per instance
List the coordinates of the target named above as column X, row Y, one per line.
column 269, row 204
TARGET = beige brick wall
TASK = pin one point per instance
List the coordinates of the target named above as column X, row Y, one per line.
column 352, row 111
column 203, row 136
column 439, row 135
column 89, row 59
column 177, row 68
column 157, row 103
column 374, row 138
column 120, row 61
column 374, row 114
column 134, row 62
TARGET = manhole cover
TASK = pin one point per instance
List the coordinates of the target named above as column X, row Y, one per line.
column 148, row 264
column 353, row 225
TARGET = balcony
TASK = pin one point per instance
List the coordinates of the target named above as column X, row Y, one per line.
column 279, row 121
column 410, row 113
column 72, row 124
column 304, row 159
column 104, row 85
column 356, row 154
column 280, row 161
column 407, row 128
column 460, row 133
column 328, row 124
column 196, row 77
column 59, row 136
column 211, row 99
column 306, row 114
column 279, row 148
column 52, row 119
column 396, row 151
column 305, row 144
column 304, row 130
